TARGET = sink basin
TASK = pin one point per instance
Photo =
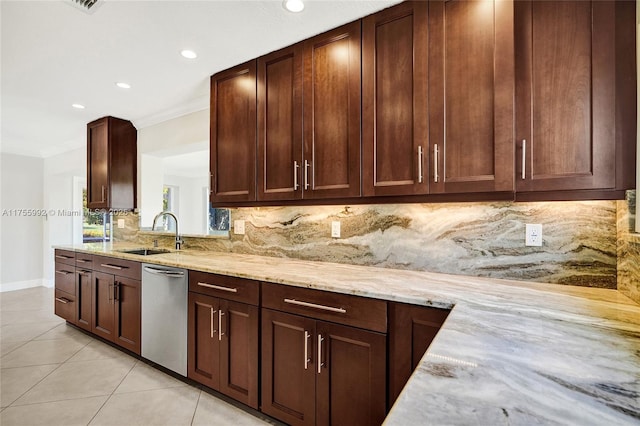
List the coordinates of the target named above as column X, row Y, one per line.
column 146, row 252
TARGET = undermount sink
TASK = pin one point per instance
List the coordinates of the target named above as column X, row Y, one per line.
column 145, row 252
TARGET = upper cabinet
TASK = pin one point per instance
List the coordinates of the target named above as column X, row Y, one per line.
column 233, row 134
column 280, row 124
column 572, row 125
column 450, row 100
column 331, row 110
column 111, row 164
column 471, row 90
column 394, row 101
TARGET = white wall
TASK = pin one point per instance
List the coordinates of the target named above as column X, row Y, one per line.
column 61, row 173
column 21, row 180
column 172, row 138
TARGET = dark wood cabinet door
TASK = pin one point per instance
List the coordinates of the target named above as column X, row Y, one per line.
column 288, row 368
column 127, row 300
column 203, row 360
column 98, row 164
column 280, row 124
column 65, row 306
column 233, row 134
column 351, row 381
column 239, row 351
column 103, row 305
column 565, row 58
column 411, row 330
column 471, row 96
column 394, row 101
column 84, row 286
column 331, row 99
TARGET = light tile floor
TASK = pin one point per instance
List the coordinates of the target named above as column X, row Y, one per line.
column 53, row 374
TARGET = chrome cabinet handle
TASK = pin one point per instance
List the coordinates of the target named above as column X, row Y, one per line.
column 220, row 332
column 435, row 163
column 420, row 164
column 217, row 287
column 296, row 166
column 212, row 312
column 524, row 159
column 108, row 265
column 306, row 174
column 61, row 300
column 320, row 363
column 63, row 272
column 82, row 261
column 307, row 360
column 60, row 256
column 314, row 305
column 83, row 272
column 116, row 291
column 102, row 193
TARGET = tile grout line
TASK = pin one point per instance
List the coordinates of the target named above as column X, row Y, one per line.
column 113, row 392
column 193, row 417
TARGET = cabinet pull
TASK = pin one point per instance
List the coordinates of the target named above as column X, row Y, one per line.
column 524, row 159
column 63, row 272
column 306, row 174
column 435, row 163
column 102, row 193
column 116, row 291
column 210, row 183
column 420, row 164
column 220, row 332
column 306, row 349
column 82, row 261
column 108, row 265
column 296, row 166
column 60, row 256
column 218, row 287
column 320, row 363
column 313, row 305
column 83, row 272
column 62, row 300
column 212, row 312
column 110, row 293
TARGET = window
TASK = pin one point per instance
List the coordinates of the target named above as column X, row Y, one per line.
column 96, row 225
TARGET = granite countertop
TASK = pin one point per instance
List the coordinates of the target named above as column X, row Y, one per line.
column 510, row 352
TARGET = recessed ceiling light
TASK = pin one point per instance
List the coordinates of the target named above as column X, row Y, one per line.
column 78, row 106
column 123, row 85
column 294, row 6
column 189, row 54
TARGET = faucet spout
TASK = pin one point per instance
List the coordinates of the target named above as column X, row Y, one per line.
column 179, row 241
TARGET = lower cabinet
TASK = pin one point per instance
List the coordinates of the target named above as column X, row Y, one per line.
column 101, row 295
column 223, row 335
column 318, row 372
column 412, row 328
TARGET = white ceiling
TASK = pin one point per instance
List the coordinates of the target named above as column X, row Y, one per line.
column 54, row 55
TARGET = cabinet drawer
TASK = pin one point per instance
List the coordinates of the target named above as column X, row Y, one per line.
column 65, row 278
column 65, row 306
column 84, row 260
column 119, row 267
column 356, row 311
column 225, row 287
column 65, row 256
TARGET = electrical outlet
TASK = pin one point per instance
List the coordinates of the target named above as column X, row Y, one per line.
column 120, row 223
column 533, row 234
column 335, row 229
column 238, row 227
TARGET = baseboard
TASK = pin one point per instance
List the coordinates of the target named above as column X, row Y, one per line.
column 21, row 285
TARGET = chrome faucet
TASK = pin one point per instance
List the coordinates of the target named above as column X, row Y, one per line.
column 179, row 241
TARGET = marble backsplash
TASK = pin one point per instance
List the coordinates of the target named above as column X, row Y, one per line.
column 477, row 239
column 628, row 248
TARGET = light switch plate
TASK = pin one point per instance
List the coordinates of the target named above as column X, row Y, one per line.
column 335, row 229
column 238, row 227
column 120, row 223
column 533, row 234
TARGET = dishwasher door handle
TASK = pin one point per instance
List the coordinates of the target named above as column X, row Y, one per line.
column 165, row 272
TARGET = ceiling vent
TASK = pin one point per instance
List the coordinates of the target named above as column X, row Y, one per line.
column 87, row 6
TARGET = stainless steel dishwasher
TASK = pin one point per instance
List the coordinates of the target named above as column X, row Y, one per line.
column 164, row 316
